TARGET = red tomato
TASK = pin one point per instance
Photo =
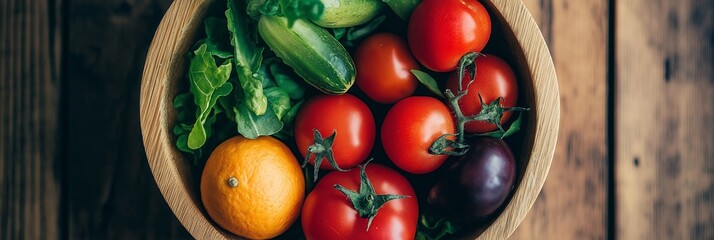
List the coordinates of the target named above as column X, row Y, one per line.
column 344, row 114
column 329, row 214
column 383, row 63
column 440, row 32
column 409, row 129
column 494, row 78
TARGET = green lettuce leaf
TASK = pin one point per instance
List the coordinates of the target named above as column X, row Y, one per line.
column 292, row 9
column 208, row 83
column 279, row 101
column 252, row 126
column 248, row 56
column 217, row 38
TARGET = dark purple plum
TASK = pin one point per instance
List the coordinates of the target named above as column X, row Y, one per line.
column 476, row 185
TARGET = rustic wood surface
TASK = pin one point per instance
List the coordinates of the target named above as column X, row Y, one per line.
column 572, row 204
column 31, row 173
column 664, row 110
column 111, row 192
column 72, row 164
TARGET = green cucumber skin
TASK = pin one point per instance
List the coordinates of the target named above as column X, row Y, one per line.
column 348, row 13
column 403, row 8
column 312, row 52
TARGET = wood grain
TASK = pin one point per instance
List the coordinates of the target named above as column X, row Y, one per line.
column 664, row 113
column 30, row 175
column 572, row 204
column 72, row 164
column 111, row 192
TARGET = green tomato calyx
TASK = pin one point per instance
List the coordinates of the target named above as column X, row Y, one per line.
column 367, row 202
column 322, row 148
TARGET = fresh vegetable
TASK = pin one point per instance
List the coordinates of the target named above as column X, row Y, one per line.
column 383, row 63
column 373, row 203
column 476, row 185
column 249, row 121
column 432, row 226
column 252, row 187
column 242, row 96
column 403, row 8
column 494, row 79
column 490, row 113
column 290, row 9
column 410, row 128
column 248, row 56
column 311, row 51
column 347, row 36
column 440, row 32
column 216, row 49
column 208, row 83
column 222, row 103
column 217, row 36
column 348, row 13
column 252, row 126
column 338, row 128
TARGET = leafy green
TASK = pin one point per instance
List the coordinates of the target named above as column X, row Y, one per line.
column 364, row 30
column 252, row 126
column 351, row 34
column 293, row 9
column 186, row 111
column 339, row 32
column 185, row 108
column 254, row 8
column 217, row 38
column 208, row 83
column 279, row 101
column 290, row 115
column 288, row 126
column 433, row 228
column 248, row 56
column 264, row 70
column 403, row 8
column 227, row 103
column 428, row 81
column 215, row 108
column 287, row 81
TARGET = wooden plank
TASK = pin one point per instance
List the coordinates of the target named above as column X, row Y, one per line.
column 572, row 204
column 664, row 113
column 112, row 193
column 30, row 176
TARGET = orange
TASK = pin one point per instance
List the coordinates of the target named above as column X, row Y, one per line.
column 253, row 187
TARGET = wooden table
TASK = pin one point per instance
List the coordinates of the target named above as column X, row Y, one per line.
column 635, row 158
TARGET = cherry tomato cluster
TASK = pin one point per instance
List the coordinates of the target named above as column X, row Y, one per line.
column 338, row 132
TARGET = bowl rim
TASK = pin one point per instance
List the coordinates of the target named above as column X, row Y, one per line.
column 173, row 38
column 547, row 116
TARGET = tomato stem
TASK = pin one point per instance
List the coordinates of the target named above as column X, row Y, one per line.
column 322, row 148
column 443, row 145
column 491, row 113
column 367, row 202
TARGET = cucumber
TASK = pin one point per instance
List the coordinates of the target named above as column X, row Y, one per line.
column 403, row 8
column 348, row 13
column 312, row 52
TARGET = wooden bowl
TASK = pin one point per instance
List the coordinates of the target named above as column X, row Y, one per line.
column 166, row 64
